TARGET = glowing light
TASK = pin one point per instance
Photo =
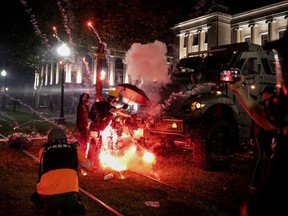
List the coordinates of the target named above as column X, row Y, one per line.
column 89, row 24
column 197, row 105
column 174, row 126
column 3, row 73
column 121, row 175
column 121, row 153
column 63, row 50
column 113, row 162
column 137, row 134
column 218, row 92
column 148, row 157
column 103, row 75
column 131, row 151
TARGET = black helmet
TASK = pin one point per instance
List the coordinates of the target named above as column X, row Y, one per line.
column 56, row 134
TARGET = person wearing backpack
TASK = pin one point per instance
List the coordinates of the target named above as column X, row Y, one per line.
column 57, row 187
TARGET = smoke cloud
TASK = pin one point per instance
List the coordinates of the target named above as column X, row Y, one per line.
column 147, row 67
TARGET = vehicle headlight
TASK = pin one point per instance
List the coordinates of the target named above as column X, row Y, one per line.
column 174, row 125
column 197, row 105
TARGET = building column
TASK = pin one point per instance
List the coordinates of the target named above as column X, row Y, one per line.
column 42, row 76
column 189, row 44
column 79, row 71
column 51, row 73
column 237, row 34
column 182, row 50
column 36, row 79
column 111, row 71
column 271, row 29
column 254, row 33
column 46, row 74
column 94, row 69
column 68, row 72
column 201, row 40
column 57, row 75
column 125, row 75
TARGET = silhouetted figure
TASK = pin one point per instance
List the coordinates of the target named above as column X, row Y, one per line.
column 51, row 105
column 270, row 196
column 262, row 143
column 15, row 103
column 82, row 121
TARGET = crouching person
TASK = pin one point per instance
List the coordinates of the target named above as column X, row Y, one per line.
column 57, row 188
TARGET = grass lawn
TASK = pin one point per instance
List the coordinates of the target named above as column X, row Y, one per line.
column 187, row 190
column 28, row 122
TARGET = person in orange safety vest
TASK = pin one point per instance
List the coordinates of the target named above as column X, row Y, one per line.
column 57, row 187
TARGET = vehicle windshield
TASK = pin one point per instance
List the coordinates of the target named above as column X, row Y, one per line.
column 207, row 67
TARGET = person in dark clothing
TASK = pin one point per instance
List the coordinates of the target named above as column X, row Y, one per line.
column 269, row 197
column 261, row 141
column 51, row 106
column 82, row 121
column 15, row 103
column 101, row 114
column 57, row 187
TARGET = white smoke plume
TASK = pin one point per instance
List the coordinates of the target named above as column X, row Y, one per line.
column 147, row 67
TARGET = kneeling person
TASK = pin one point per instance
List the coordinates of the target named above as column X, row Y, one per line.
column 57, row 186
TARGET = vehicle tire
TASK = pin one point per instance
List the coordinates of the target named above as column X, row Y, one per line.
column 220, row 142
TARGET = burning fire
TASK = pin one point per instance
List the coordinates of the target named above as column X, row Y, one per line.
column 121, row 152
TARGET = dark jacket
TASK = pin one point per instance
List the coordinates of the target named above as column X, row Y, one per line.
column 100, row 115
column 82, row 117
column 262, row 137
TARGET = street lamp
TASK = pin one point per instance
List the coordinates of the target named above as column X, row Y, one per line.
column 63, row 51
column 4, row 74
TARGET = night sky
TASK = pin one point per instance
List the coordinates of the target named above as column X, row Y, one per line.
column 13, row 13
column 244, row 5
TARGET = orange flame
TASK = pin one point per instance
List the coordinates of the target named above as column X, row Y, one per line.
column 120, row 153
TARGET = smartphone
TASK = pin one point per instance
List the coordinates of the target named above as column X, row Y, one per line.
column 229, row 75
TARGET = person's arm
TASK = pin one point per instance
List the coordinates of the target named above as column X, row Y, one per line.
column 252, row 107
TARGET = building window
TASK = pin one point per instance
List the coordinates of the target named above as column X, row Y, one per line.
column 206, row 37
column 264, row 39
column 195, row 40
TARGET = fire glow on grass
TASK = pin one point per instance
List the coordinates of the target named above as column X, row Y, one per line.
column 121, row 155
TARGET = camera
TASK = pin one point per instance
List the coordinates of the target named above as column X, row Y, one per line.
column 229, row 75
